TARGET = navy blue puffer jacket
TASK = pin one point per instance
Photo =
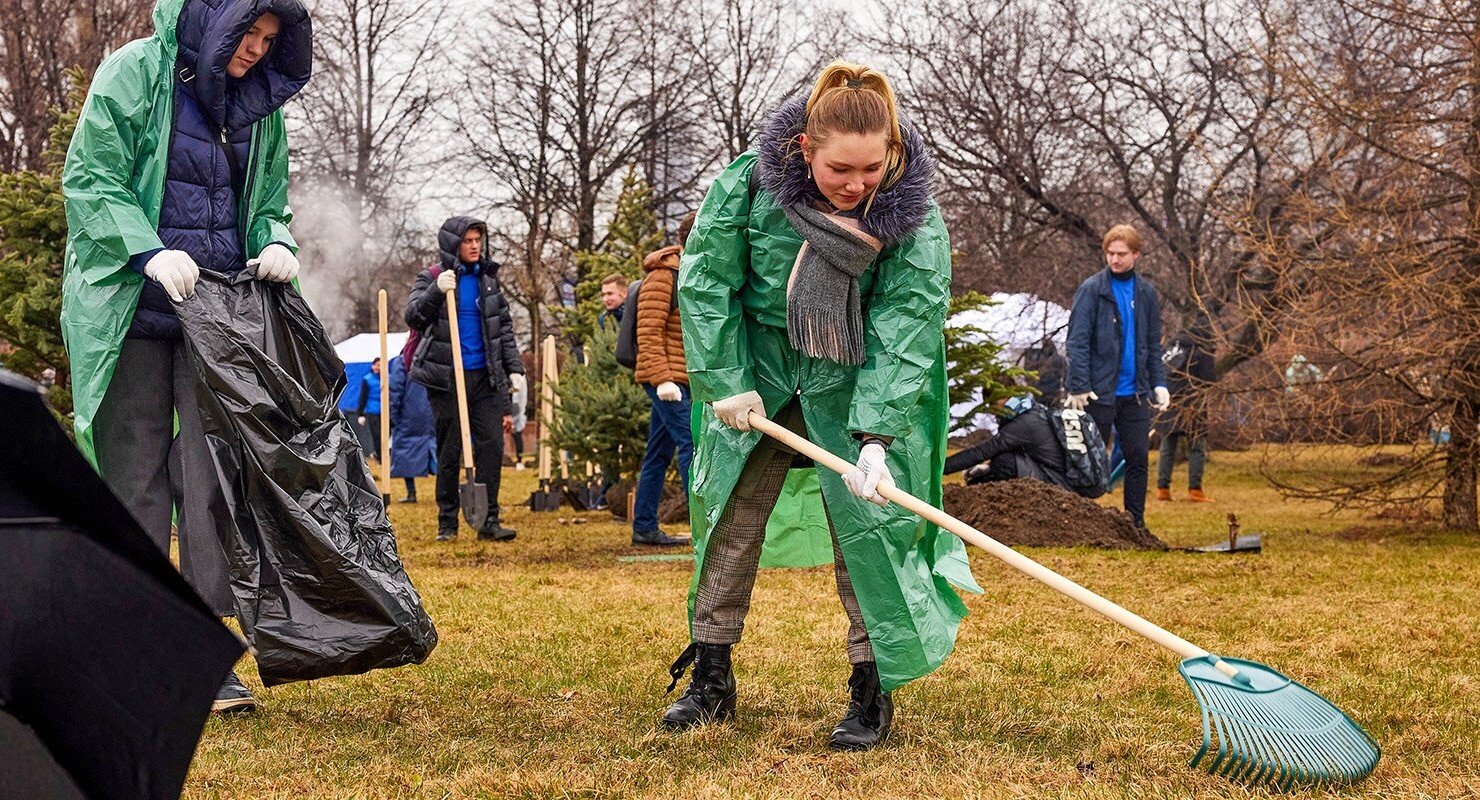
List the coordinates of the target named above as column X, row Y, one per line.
column 1096, row 338
column 211, row 137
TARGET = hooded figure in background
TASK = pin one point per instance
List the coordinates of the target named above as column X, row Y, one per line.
column 413, row 434
column 179, row 163
column 492, row 369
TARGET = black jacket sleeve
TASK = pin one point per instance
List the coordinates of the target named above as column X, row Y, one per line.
column 364, row 397
column 425, row 303
column 1010, row 437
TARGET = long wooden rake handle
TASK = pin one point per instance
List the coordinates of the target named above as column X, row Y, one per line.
column 1002, row 552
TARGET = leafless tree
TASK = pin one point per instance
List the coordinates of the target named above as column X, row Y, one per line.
column 1052, row 121
column 42, row 39
column 1375, row 251
column 362, row 149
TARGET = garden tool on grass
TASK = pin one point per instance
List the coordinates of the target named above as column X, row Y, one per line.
column 471, row 495
column 1236, row 543
column 1268, row 729
column 385, row 402
column 586, row 495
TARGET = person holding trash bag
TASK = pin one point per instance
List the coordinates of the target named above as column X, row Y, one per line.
column 179, row 163
column 490, row 360
column 841, row 340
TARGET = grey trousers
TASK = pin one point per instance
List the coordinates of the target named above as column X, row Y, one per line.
column 153, row 471
column 1197, row 456
column 733, row 552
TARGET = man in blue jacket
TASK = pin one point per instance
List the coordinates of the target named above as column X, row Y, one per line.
column 490, row 359
column 1115, row 367
column 368, row 407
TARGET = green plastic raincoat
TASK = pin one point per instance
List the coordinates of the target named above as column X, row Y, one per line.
column 113, row 182
column 732, row 295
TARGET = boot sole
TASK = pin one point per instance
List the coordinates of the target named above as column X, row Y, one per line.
column 851, row 747
column 237, row 705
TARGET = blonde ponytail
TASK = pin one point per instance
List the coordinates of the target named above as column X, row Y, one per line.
column 852, row 98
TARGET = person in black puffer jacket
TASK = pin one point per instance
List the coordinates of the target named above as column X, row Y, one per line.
column 1025, row 447
column 491, row 365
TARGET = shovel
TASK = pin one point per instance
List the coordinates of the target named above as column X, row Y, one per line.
column 1259, row 727
column 471, row 495
column 1248, row 543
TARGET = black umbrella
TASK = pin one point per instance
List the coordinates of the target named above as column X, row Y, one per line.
column 108, row 660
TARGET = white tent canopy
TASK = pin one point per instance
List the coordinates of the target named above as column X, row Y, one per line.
column 362, row 348
column 357, row 352
column 1018, row 322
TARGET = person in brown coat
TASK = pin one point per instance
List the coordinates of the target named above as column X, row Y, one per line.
column 662, row 374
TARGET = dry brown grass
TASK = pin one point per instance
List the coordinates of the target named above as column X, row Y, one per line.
column 550, row 674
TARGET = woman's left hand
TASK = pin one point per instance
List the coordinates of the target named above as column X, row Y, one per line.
column 871, row 473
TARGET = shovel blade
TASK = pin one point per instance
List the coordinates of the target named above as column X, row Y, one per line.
column 1248, row 543
column 546, row 498
column 473, row 497
column 585, row 496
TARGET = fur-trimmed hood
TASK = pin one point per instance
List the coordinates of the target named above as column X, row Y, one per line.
column 895, row 214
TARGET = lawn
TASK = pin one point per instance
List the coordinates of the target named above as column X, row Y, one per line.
column 549, row 677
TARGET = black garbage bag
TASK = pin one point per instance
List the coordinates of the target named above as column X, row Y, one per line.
column 319, row 585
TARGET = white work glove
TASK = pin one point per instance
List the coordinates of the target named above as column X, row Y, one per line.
column 516, row 381
column 360, row 419
column 446, row 281
column 669, row 391
column 735, row 411
column 275, row 263
column 871, row 473
column 1163, row 399
column 176, row 272
column 1077, row 402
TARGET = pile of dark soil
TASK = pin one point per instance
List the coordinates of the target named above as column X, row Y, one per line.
column 1032, row 513
column 673, row 509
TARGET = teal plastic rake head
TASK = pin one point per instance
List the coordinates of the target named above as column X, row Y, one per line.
column 1260, row 727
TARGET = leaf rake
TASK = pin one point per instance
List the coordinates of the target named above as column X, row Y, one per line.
column 1259, row 727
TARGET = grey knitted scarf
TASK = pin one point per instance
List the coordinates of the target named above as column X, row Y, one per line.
column 824, row 317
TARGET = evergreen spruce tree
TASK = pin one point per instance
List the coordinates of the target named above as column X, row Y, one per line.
column 975, row 364
column 603, row 412
column 632, row 234
column 33, row 237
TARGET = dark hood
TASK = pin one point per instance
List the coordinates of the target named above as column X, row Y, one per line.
column 208, row 34
column 896, row 213
column 449, row 241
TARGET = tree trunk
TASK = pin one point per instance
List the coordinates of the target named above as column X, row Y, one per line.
column 1459, row 467
column 1460, row 511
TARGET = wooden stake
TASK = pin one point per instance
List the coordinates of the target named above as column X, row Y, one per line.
column 385, row 402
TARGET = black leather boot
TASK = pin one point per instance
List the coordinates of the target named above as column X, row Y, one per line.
column 870, row 711
column 711, row 693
